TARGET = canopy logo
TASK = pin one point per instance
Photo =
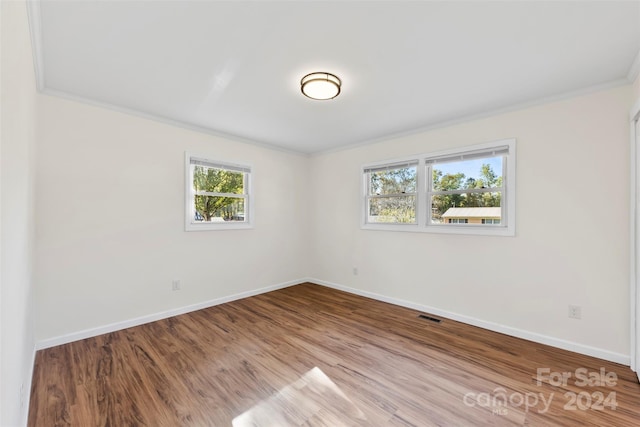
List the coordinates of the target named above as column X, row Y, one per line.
column 499, row 401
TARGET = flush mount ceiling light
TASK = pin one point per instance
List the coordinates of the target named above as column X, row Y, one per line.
column 320, row 86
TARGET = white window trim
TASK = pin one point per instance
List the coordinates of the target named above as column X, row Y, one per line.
column 364, row 196
column 189, row 196
column 508, row 223
column 390, row 166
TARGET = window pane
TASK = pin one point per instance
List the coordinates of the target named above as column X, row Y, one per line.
column 491, row 221
column 394, row 181
column 217, row 180
column 473, row 207
column 219, row 209
column 400, row 209
column 475, row 173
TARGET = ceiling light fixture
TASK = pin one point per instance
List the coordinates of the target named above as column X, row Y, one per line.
column 320, row 86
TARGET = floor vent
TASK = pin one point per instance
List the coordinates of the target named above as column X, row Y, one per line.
column 429, row 318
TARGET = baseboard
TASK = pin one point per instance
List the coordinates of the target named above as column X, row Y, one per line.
column 24, row 416
column 507, row 330
column 92, row 332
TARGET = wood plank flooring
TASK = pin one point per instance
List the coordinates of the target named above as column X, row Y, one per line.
column 313, row 356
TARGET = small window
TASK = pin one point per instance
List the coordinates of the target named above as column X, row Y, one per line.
column 391, row 193
column 218, row 195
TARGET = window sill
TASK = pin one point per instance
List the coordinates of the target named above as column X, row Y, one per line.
column 217, row 226
column 478, row 230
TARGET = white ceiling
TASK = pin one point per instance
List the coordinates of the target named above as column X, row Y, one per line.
column 234, row 67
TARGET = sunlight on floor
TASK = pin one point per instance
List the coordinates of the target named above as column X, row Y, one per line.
column 314, row 399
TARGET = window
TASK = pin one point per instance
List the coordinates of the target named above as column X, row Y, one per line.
column 490, row 221
column 391, row 193
column 466, row 185
column 465, row 191
column 458, row 221
column 218, row 195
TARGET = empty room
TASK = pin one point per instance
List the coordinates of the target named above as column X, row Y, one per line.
column 319, row 213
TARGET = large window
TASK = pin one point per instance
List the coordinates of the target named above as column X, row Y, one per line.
column 466, row 191
column 218, row 194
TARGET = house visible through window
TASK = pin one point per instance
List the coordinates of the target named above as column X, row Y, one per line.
column 472, row 215
column 217, row 194
column 466, row 186
column 469, row 190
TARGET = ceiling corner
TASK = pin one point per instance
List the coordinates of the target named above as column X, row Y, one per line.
column 35, row 28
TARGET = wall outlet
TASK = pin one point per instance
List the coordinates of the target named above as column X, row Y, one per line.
column 175, row 285
column 22, row 395
column 355, row 271
column 575, row 312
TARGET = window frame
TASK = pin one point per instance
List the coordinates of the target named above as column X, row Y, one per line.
column 190, row 193
column 390, row 166
column 423, row 192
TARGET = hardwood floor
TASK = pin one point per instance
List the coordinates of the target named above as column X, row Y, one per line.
column 313, row 356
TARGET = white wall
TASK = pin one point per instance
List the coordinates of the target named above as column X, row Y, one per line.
column 572, row 227
column 635, row 330
column 110, row 224
column 17, row 136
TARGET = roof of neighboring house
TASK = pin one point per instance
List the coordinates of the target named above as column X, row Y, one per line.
column 472, row 213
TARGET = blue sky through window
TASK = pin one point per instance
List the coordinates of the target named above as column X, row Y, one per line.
column 471, row 168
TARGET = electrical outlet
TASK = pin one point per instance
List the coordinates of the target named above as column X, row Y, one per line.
column 175, row 285
column 355, row 271
column 22, row 395
column 575, row 312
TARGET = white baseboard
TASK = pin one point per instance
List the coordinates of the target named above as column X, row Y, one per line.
column 92, row 332
column 24, row 416
column 507, row 330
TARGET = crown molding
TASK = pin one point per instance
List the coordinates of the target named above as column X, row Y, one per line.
column 35, row 27
column 167, row 121
column 482, row 115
